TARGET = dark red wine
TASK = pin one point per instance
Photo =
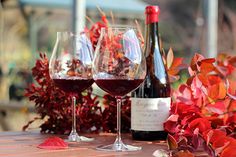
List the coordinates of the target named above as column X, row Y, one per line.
column 73, row 85
column 151, row 102
column 118, row 87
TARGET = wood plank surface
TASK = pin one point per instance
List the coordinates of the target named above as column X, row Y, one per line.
column 24, row 144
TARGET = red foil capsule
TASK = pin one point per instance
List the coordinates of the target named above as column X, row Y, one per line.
column 152, row 14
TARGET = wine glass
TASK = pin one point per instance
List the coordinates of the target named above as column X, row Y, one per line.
column 70, row 68
column 119, row 67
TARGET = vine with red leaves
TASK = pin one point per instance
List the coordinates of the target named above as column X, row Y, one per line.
column 203, row 109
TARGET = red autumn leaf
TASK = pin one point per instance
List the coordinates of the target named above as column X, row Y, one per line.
column 95, row 32
column 184, row 110
column 183, row 94
column 230, row 69
column 175, row 68
column 187, row 132
column 200, row 64
column 220, row 149
column 207, row 135
column 183, row 89
column 222, row 91
column 213, row 135
column 104, row 19
column 224, row 70
column 190, row 80
column 201, row 123
column 191, row 73
column 171, row 142
column 231, row 88
column 213, row 79
column 53, row 143
column 215, row 121
column 226, row 64
column 207, row 66
column 174, row 65
column 217, row 91
column 178, row 62
column 223, row 140
column 231, row 118
column 224, row 144
column 173, row 118
column 229, row 152
column 203, row 78
column 195, row 139
column 188, row 116
column 198, row 90
column 218, row 107
column 208, row 60
column 194, row 62
column 232, row 61
column 171, row 124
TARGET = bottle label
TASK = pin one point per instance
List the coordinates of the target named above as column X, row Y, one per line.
column 149, row 114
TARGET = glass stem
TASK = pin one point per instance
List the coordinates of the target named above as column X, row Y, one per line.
column 118, row 138
column 73, row 114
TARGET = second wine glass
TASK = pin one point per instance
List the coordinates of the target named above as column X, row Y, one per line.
column 119, row 67
column 70, row 68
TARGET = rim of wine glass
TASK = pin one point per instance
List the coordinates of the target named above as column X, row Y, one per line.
column 70, row 33
column 120, row 27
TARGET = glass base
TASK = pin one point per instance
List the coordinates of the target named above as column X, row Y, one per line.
column 74, row 137
column 118, row 147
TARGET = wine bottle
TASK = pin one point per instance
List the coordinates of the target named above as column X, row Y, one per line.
column 150, row 103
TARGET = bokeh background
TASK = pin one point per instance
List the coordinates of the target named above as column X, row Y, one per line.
column 28, row 27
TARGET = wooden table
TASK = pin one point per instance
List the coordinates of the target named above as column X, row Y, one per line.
column 24, row 144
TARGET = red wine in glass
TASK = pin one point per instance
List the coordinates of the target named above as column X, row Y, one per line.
column 119, row 87
column 74, row 85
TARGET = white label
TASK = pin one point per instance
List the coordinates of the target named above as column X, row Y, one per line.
column 149, row 114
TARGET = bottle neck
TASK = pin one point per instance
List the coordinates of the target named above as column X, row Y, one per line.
column 152, row 37
column 155, row 64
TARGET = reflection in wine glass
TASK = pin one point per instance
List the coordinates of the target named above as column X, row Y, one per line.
column 70, row 68
column 119, row 67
